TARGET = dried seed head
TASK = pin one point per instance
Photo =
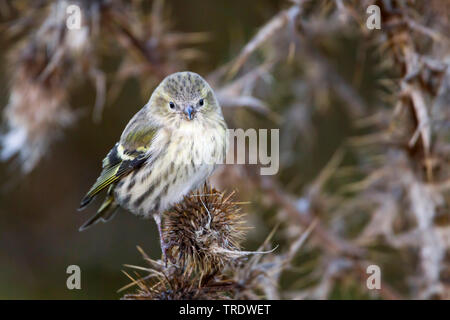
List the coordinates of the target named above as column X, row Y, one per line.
column 170, row 283
column 175, row 288
column 205, row 231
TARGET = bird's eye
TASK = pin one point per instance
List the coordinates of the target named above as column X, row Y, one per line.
column 172, row 105
column 201, row 102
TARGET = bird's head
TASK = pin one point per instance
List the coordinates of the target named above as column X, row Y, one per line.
column 184, row 96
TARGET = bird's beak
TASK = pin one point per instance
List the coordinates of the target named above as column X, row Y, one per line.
column 189, row 112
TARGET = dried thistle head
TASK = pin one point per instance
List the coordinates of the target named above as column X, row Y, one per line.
column 169, row 283
column 175, row 288
column 254, row 278
column 205, row 231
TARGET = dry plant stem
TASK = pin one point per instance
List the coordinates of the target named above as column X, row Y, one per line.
column 264, row 34
column 417, row 97
column 284, row 19
column 354, row 102
column 119, row 22
column 326, row 239
column 330, row 241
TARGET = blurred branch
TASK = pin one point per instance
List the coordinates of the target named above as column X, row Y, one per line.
column 266, row 32
column 330, row 242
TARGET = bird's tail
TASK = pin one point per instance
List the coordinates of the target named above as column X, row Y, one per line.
column 105, row 213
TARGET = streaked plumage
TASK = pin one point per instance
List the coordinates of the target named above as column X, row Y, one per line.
column 169, row 148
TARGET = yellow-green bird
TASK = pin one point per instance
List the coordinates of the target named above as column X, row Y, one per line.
column 169, row 148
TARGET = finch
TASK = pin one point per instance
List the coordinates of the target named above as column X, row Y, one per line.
column 169, row 148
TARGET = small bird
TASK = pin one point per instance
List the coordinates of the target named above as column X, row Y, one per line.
column 169, row 148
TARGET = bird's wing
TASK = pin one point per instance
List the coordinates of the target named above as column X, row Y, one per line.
column 124, row 157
